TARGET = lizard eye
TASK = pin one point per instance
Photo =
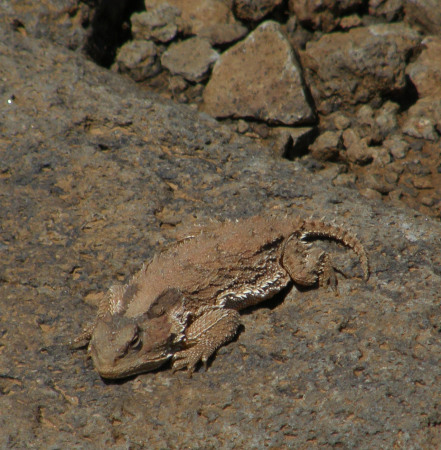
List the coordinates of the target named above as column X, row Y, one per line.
column 136, row 341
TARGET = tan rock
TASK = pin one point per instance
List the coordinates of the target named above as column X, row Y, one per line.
column 198, row 14
column 344, row 69
column 158, row 24
column 327, row 145
column 191, row 58
column 259, row 78
column 425, row 71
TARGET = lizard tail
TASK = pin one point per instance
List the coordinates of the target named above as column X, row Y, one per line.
column 319, row 229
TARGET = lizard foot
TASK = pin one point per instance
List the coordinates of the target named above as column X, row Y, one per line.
column 190, row 358
column 212, row 329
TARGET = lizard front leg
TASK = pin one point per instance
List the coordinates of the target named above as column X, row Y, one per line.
column 111, row 303
column 212, row 329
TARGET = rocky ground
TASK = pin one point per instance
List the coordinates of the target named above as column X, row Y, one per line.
column 333, row 112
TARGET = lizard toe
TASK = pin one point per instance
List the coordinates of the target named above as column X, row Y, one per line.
column 186, row 359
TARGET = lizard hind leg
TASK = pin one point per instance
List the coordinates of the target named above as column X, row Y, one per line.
column 307, row 266
column 209, row 331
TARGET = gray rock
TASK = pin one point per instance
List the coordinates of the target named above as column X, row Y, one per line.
column 62, row 21
column 139, row 59
column 158, row 24
column 192, row 59
column 259, row 78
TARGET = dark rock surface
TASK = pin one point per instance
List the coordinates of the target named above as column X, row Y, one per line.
column 96, row 174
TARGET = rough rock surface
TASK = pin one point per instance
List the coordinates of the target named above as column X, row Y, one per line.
column 191, row 58
column 424, row 13
column 158, row 24
column 139, row 59
column 254, row 10
column 391, row 10
column 323, row 14
column 424, row 118
column 244, row 81
column 94, row 175
column 198, row 15
column 223, row 33
column 347, row 68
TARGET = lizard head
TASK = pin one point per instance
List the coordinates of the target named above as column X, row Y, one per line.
column 121, row 346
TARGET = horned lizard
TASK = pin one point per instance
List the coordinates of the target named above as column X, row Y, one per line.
column 183, row 305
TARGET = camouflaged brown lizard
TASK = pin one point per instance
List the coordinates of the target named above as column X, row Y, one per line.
column 183, row 305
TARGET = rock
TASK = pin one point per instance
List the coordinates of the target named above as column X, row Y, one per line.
column 177, row 84
column 192, row 59
column 386, row 119
column 260, row 78
column 391, row 10
column 424, row 118
column 423, row 182
column 427, row 200
column 254, row 10
column 377, row 124
column 198, row 15
column 425, row 71
column 344, row 69
column 396, row 146
column 350, row 22
column 357, row 149
column 426, row 14
column 327, row 146
column 359, row 153
column 381, row 158
column 297, row 35
column 371, row 194
column 378, row 182
column 345, row 180
column 158, row 24
column 139, row 59
column 338, row 121
column 290, row 142
column 97, row 175
column 223, row 33
column 324, row 14
column 242, row 126
column 64, row 22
